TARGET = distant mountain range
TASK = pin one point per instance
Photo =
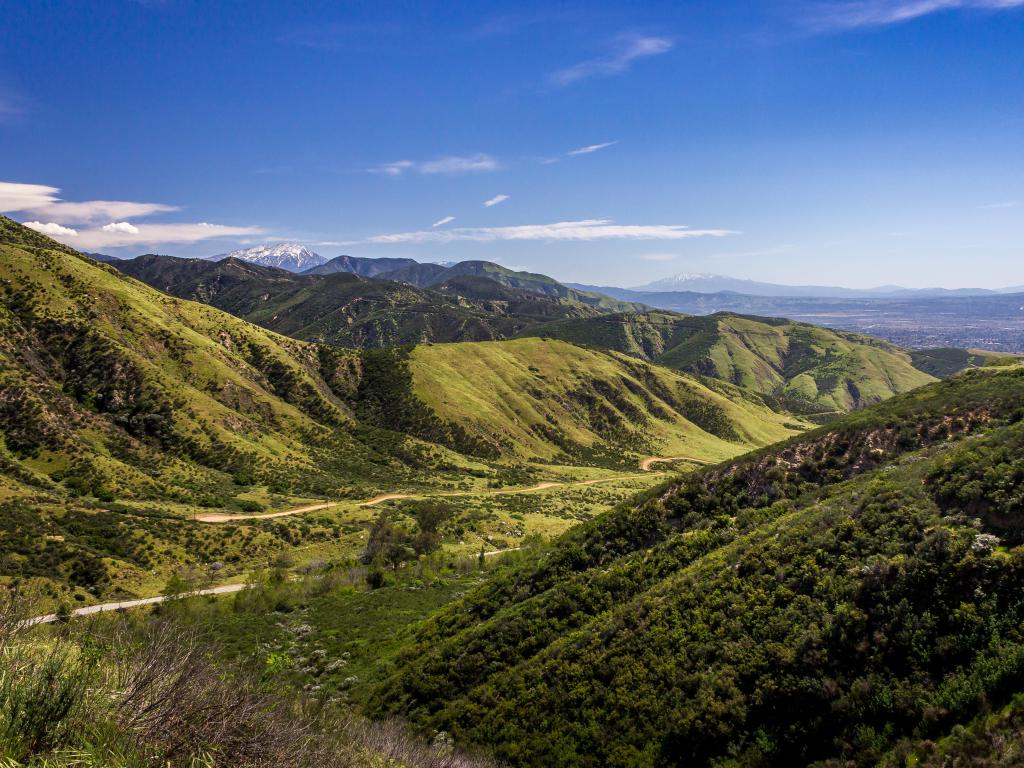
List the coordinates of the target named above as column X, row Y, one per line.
column 700, row 282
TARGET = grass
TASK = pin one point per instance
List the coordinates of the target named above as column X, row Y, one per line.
column 556, row 401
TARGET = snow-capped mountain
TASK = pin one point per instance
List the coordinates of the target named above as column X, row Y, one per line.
column 294, row 257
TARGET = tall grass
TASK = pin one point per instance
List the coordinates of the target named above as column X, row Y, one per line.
column 123, row 694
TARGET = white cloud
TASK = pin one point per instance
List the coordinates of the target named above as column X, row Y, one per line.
column 874, row 13
column 93, row 211
column 121, row 226
column 25, row 197
column 657, row 256
column 628, row 49
column 451, row 164
column 587, row 229
column 42, row 200
column 36, row 198
column 1000, row 206
column 470, row 164
column 442, row 222
column 394, row 169
column 590, row 148
column 495, row 201
column 51, row 229
column 153, row 234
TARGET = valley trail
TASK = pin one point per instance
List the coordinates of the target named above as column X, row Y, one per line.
column 645, row 467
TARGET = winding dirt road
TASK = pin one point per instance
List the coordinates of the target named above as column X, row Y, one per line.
column 645, row 467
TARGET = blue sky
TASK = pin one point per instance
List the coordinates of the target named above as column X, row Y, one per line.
column 854, row 143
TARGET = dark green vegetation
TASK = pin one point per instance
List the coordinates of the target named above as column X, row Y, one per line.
column 842, row 598
column 944, row 362
column 803, row 368
column 346, row 309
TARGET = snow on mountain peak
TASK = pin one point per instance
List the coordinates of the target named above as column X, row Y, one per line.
column 294, row 257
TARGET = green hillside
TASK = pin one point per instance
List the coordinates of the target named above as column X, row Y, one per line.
column 431, row 275
column 124, row 412
column 845, row 597
column 562, row 403
column 806, row 368
column 344, row 309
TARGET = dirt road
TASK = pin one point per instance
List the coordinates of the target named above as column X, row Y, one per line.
column 224, row 589
column 645, row 467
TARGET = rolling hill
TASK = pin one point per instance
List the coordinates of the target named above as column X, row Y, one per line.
column 848, row 597
column 553, row 400
column 805, row 368
column 120, row 404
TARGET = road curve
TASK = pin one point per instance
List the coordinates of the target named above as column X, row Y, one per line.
column 645, row 467
column 645, row 464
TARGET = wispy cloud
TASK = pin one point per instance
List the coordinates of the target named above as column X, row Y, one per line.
column 10, row 107
column 590, row 148
column 628, row 49
column 333, row 36
column 442, row 222
column 43, row 200
column 495, row 201
column 452, row 164
column 153, row 234
column 586, row 229
column 1000, row 206
column 876, row 13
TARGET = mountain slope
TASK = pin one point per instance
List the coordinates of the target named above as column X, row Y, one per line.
column 346, row 310
column 815, row 602
column 365, row 267
column 807, row 368
column 430, row 275
column 548, row 399
column 291, row 256
column 115, row 389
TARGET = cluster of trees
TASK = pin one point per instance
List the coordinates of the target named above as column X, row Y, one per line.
column 392, row 541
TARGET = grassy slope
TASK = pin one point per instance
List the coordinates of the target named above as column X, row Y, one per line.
column 810, row 369
column 538, row 398
column 160, row 396
column 818, row 600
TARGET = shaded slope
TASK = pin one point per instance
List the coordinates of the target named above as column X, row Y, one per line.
column 430, row 275
column 818, row 600
column 805, row 368
column 347, row 310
